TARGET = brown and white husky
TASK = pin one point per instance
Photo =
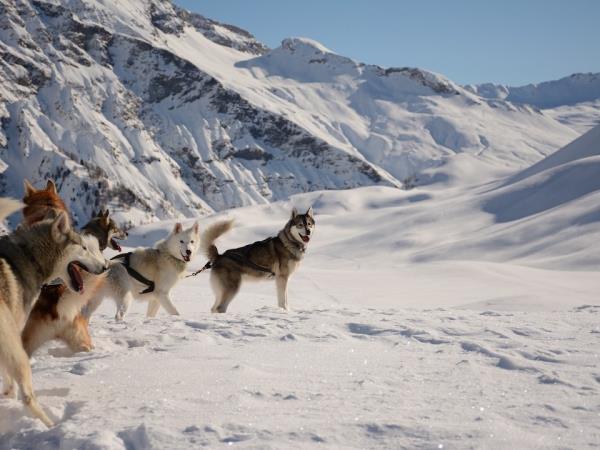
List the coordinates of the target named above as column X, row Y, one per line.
column 57, row 312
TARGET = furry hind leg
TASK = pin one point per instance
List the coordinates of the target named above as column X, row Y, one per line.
column 224, row 294
column 16, row 364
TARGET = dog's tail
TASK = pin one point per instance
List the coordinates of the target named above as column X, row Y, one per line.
column 8, row 206
column 210, row 235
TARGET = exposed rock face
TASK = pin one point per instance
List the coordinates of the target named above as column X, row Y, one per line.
column 117, row 119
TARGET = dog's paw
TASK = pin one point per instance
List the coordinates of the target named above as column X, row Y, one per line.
column 10, row 392
column 86, row 348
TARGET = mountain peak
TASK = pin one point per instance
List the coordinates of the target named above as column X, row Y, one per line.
column 302, row 44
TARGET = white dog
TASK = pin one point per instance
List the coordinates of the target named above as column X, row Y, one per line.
column 149, row 273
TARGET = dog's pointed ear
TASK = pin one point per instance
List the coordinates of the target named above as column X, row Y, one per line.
column 196, row 228
column 50, row 186
column 29, row 189
column 294, row 213
column 178, row 228
column 106, row 213
column 60, row 228
column 309, row 213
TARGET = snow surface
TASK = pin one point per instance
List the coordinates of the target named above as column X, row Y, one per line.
column 581, row 117
column 419, row 320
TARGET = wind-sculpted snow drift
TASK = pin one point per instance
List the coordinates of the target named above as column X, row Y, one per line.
column 159, row 113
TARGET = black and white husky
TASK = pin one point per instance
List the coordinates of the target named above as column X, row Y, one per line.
column 276, row 257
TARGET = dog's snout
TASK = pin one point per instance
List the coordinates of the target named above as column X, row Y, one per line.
column 308, row 232
column 188, row 252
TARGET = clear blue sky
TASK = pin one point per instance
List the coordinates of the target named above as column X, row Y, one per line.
column 470, row 41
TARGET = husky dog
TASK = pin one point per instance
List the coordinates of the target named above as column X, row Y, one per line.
column 42, row 204
column 149, row 273
column 57, row 313
column 30, row 257
column 103, row 228
column 276, row 257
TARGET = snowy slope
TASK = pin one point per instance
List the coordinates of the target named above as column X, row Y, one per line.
column 160, row 113
column 440, row 317
column 581, row 116
column 573, row 100
column 383, row 348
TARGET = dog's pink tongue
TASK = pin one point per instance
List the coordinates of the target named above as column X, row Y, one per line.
column 115, row 245
column 76, row 279
column 305, row 238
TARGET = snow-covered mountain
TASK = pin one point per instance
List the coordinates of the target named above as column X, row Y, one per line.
column 576, row 88
column 159, row 113
column 573, row 100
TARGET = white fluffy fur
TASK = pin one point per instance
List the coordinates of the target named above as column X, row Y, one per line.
column 164, row 265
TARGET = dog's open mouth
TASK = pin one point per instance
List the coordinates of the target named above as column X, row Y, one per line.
column 305, row 237
column 186, row 258
column 115, row 245
column 74, row 269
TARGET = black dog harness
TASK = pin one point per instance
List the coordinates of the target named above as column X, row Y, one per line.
column 240, row 258
column 134, row 273
column 245, row 261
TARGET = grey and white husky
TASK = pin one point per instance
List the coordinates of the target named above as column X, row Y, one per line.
column 29, row 258
column 161, row 266
column 275, row 257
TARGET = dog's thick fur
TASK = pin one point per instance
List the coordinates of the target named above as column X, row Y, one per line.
column 279, row 255
column 42, row 204
column 29, row 258
column 57, row 313
column 164, row 265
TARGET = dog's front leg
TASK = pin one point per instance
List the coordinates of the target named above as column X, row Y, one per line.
column 123, row 305
column 92, row 305
column 282, row 298
column 153, row 307
column 165, row 301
